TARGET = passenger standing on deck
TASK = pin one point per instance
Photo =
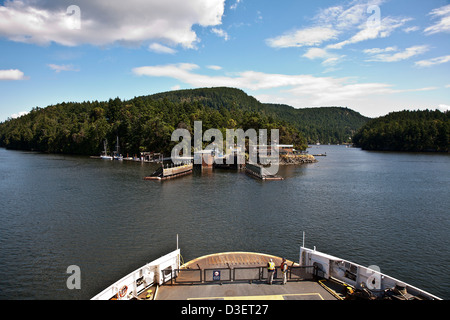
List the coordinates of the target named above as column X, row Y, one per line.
column 284, row 268
column 270, row 271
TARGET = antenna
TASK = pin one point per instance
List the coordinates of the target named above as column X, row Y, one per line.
column 303, row 239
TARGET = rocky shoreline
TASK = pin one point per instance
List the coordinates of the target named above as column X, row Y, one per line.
column 297, row 159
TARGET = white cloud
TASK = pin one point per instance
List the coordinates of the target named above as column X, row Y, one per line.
column 178, row 71
column 329, row 59
column 159, row 48
column 104, row 22
column 314, row 53
column 59, row 68
column 403, row 55
column 443, row 107
column 411, row 29
column 312, row 36
column 12, row 74
column 444, row 23
column 221, row 33
column 259, row 16
column 421, row 89
column 367, row 32
column 298, row 90
column 18, row 115
column 346, row 17
column 234, row 6
column 379, row 50
column 336, row 21
column 433, row 61
column 214, row 67
column 308, row 89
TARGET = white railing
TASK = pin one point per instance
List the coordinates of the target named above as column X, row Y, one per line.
column 137, row 281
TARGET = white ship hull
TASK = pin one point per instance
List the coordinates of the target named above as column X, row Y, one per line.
column 359, row 279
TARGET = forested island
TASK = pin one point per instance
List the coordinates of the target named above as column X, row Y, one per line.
column 146, row 123
column 415, row 131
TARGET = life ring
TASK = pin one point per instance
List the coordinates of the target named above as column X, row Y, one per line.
column 123, row 291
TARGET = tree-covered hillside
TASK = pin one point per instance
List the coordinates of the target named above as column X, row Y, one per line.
column 142, row 124
column 406, row 131
column 333, row 125
column 146, row 123
column 215, row 98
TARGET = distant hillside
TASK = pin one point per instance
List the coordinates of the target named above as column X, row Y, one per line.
column 146, row 123
column 406, row 131
column 333, row 125
column 215, row 98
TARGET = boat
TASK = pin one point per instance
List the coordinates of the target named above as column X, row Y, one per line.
column 117, row 155
column 105, row 155
column 243, row 275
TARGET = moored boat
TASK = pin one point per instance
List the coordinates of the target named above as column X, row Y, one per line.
column 105, row 155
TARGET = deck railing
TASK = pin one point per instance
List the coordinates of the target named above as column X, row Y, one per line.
column 238, row 274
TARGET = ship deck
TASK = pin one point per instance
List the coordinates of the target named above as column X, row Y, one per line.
column 256, row 289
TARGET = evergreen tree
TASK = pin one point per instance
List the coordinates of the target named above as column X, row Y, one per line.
column 406, row 131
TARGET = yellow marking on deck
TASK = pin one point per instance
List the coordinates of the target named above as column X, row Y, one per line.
column 269, row 297
column 261, row 297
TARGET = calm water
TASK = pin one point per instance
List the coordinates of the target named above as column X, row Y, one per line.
column 384, row 209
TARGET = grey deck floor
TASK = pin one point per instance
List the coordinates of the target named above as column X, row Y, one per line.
column 302, row 290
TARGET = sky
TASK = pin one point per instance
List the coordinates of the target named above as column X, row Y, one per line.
column 372, row 56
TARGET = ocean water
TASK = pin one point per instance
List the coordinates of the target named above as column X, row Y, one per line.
column 373, row 208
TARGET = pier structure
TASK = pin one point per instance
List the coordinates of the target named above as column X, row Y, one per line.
column 260, row 172
column 171, row 172
column 204, row 158
column 233, row 159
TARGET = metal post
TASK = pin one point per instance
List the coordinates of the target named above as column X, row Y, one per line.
column 303, row 239
column 178, row 257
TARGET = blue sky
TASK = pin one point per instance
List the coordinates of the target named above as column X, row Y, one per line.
column 373, row 56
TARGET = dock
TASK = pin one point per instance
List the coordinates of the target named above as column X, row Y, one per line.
column 171, row 173
column 260, row 172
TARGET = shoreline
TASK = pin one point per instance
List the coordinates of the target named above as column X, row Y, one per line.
column 297, row 159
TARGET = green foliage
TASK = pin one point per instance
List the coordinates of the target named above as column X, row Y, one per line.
column 146, row 123
column 406, row 131
column 333, row 125
column 142, row 123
